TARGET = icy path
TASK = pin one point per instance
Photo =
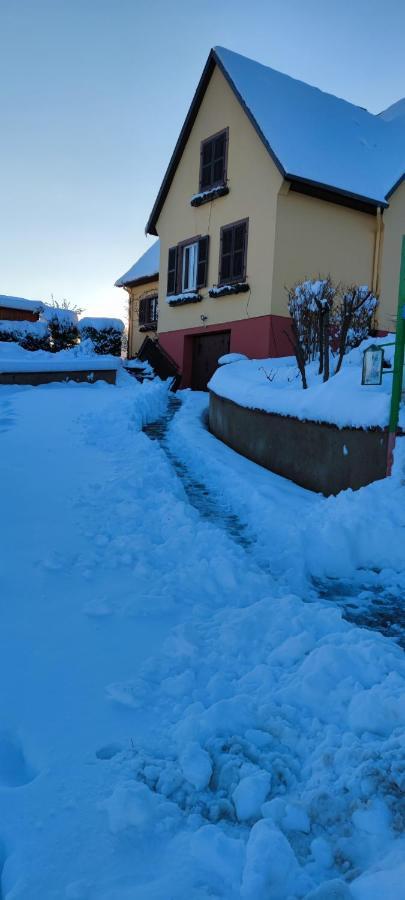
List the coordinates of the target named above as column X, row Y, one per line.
column 175, row 723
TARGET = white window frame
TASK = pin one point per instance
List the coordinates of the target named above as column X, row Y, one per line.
column 189, row 267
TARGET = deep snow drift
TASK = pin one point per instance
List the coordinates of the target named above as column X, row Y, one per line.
column 176, row 721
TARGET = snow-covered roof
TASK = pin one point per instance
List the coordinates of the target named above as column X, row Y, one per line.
column 317, row 136
column 314, row 138
column 145, row 267
column 395, row 111
column 8, row 302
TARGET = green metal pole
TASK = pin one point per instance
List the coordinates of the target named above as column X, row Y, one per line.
column 397, row 375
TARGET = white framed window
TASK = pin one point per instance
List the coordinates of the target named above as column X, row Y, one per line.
column 189, row 270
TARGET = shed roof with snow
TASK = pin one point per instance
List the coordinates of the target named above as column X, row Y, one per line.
column 145, row 269
column 314, row 138
column 8, row 302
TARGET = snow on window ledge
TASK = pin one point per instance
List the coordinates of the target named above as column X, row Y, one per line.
column 185, row 297
column 223, row 290
column 220, row 190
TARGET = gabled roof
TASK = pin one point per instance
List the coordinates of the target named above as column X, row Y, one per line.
column 145, row 269
column 314, row 138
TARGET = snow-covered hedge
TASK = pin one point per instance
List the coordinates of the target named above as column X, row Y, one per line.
column 105, row 334
column 30, row 335
column 62, row 326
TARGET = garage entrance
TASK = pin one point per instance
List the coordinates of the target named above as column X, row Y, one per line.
column 207, row 348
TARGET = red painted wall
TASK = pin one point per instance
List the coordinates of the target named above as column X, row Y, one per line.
column 258, row 337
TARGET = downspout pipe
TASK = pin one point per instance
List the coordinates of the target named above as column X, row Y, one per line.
column 377, row 252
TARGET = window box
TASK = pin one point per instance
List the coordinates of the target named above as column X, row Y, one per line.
column 223, row 290
column 149, row 326
column 183, row 298
column 206, row 196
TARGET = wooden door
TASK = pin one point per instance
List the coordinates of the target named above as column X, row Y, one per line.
column 207, row 348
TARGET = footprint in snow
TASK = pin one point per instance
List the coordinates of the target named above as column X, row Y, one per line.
column 14, row 767
column 109, row 751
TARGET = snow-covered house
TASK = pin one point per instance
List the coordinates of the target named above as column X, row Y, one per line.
column 271, row 181
column 141, row 283
column 19, row 309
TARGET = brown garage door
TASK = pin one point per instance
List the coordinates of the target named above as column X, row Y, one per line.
column 207, row 348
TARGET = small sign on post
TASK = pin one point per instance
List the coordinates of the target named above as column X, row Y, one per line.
column 373, row 360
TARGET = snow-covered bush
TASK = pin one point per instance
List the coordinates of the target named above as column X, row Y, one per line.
column 29, row 335
column 105, row 334
column 325, row 316
column 310, row 304
column 352, row 318
column 62, row 326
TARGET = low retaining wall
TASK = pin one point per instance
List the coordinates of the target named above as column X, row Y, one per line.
column 35, row 378
column 317, row 456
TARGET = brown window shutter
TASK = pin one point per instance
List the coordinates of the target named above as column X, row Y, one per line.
column 172, row 271
column 202, row 265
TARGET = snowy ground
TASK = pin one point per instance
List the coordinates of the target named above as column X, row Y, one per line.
column 181, row 716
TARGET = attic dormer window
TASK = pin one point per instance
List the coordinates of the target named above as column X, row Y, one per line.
column 213, row 160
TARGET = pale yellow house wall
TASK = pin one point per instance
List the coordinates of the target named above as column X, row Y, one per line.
column 253, row 181
column 393, row 229
column 136, row 337
column 315, row 237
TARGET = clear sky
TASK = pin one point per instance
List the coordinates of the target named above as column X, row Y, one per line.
column 92, row 97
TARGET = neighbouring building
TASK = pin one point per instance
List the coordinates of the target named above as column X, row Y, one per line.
column 141, row 283
column 271, row 181
column 19, row 309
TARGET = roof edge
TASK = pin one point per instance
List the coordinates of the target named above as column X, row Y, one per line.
column 180, row 143
column 144, row 279
column 348, row 198
column 395, row 186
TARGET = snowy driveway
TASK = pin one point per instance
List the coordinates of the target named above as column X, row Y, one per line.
column 174, row 719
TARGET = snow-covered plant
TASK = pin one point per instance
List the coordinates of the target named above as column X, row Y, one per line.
column 29, row 335
column 352, row 318
column 310, row 304
column 105, row 334
column 63, row 328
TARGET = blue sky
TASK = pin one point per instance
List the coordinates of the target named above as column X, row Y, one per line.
column 93, row 94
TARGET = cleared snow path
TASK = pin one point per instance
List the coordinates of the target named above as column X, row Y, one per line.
column 233, row 492
column 204, row 501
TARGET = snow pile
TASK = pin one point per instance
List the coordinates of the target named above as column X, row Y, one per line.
column 34, row 306
column 274, row 385
column 231, row 358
